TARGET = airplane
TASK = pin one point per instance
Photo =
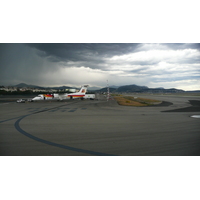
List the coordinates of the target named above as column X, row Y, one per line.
column 80, row 94
column 46, row 97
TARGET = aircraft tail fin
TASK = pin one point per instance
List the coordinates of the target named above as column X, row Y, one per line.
column 83, row 89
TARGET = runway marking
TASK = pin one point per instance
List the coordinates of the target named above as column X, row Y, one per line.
column 10, row 119
column 18, row 128
column 35, row 112
column 31, row 110
column 53, row 110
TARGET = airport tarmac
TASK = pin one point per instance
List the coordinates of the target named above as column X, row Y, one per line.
column 91, row 128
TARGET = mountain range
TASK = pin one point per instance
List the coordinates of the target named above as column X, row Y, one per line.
column 24, row 85
column 119, row 89
column 140, row 89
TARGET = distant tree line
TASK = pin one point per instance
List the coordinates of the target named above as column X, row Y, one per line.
column 18, row 92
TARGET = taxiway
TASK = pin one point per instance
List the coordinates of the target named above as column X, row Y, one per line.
column 82, row 128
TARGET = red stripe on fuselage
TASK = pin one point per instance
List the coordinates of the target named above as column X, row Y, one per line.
column 48, row 95
column 76, row 95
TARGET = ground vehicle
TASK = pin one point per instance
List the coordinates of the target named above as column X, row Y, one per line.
column 21, row 101
column 89, row 96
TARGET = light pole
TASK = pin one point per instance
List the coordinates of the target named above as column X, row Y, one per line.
column 108, row 92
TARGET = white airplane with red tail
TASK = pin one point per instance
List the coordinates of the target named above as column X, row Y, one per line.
column 81, row 94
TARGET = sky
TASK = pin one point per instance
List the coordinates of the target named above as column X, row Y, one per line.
column 168, row 65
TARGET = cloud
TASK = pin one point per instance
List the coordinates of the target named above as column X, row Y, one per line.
column 20, row 63
column 156, row 56
column 82, row 51
column 75, row 64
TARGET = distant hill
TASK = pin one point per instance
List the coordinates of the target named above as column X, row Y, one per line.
column 94, row 88
column 140, row 89
column 143, row 89
column 22, row 85
column 193, row 91
column 62, row 88
column 120, row 89
column 106, row 89
column 114, row 86
column 132, row 88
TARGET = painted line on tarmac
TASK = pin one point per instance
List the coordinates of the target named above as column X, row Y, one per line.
column 11, row 119
column 18, row 128
column 35, row 111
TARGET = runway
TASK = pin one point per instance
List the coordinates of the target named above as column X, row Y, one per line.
column 101, row 128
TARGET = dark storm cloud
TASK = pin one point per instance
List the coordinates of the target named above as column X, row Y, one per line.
column 93, row 55
column 83, row 51
column 19, row 63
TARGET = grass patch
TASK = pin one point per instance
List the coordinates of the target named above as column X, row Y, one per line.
column 134, row 101
column 116, row 95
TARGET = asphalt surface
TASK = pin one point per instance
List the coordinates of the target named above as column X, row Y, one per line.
column 101, row 128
